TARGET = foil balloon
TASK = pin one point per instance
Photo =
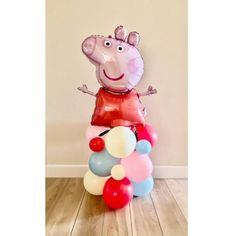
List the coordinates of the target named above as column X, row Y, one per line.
column 119, row 65
column 114, row 110
column 119, row 68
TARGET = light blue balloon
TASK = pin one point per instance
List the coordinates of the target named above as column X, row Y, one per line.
column 143, row 188
column 101, row 163
column 143, row 146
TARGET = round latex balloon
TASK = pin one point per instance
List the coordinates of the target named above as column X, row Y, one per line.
column 120, row 141
column 137, row 166
column 143, row 146
column 148, row 133
column 94, row 131
column 117, row 193
column 100, row 163
column 143, row 188
column 118, row 172
column 96, row 144
column 94, row 184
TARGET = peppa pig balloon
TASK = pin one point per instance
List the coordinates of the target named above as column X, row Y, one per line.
column 119, row 68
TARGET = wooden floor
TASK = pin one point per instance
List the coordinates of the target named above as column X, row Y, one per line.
column 70, row 210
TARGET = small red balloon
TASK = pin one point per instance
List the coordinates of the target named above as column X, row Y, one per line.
column 117, row 193
column 96, row 144
column 148, row 133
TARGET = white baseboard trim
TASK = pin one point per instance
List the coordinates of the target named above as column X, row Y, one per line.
column 69, row 171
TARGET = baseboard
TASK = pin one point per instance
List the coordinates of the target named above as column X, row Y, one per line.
column 161, row 172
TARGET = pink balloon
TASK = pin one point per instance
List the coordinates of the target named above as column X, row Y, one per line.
column 94, row 131
column 148, row 133
column 138, row 167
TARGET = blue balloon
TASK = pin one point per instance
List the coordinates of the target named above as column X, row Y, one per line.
column 143, row 146
column 101, row 163
column 143, row 188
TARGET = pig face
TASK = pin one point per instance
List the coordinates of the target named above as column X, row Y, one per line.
column 119, row 65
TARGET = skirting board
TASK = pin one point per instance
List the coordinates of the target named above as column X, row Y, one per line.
column 160, row 172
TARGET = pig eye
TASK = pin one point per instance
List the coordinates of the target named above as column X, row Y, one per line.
column 107, row 43
column 119, row 48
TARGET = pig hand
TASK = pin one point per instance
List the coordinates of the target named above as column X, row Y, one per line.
column 84, row 89
column 149, row 91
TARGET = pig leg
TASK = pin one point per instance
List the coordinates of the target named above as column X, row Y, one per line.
column 84, row 89
column 149, row 91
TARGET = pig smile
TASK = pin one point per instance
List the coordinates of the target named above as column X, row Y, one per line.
column 114, row 79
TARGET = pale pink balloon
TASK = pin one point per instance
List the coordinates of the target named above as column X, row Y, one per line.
column 94, row 131
column 138, row 167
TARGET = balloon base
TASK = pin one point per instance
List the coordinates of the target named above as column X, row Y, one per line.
column 120, row 168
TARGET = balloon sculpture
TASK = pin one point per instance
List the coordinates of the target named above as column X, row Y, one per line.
column 119, row 167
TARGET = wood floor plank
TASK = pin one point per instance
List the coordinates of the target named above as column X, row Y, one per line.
column 144, row 217
column 179, row 189
column 117, row 222
column 90, row 217
column 163, row 212
column 50, row 181
column 171, row 219
column 63, row 215
column 54, row 188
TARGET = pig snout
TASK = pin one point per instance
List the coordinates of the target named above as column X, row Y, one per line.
column 88, row 46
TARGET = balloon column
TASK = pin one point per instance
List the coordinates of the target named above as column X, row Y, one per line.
column 119, row 166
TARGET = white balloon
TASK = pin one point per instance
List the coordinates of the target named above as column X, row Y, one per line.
column 94, row 184
column 120, row 141
column 118, row 172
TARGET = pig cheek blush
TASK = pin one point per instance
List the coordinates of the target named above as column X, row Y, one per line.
column 132, row 66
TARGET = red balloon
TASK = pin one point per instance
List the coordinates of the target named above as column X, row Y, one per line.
column 118, row 109
column 148, row 133
column 117, row 193
column 96, row 144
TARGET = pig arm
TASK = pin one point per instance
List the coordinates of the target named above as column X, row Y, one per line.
column 84, row 89
column 149, row 91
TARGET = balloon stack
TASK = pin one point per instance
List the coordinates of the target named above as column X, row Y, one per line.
column 119, row 166
column 119, row 138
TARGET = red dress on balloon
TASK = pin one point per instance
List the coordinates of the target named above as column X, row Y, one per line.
column 118, row 109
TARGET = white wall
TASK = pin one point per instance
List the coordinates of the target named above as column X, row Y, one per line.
column 162, row 25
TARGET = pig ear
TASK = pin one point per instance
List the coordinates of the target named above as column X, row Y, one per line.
column 120, row 33
column 133, row 38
